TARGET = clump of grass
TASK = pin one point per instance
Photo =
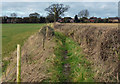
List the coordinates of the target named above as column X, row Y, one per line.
column 80, row 66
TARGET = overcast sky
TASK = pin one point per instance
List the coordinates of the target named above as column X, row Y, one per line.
column 60, row 0
column 99, row 9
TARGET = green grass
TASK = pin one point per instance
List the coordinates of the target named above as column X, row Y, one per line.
column 80, row 66
column 57, row 63
column 13, row 34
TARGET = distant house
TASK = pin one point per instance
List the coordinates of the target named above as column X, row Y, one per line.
column 100, row 20
column 61, row 20
column 113, row 19
column 67, row 19
column 93, row 19
column 84, row 19
column 71, row 20
column 34, row 15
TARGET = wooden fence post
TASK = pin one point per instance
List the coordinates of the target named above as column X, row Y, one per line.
column 18, row 64
column 46, row 32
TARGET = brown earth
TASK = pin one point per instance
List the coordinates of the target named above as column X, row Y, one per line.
column 102, row 45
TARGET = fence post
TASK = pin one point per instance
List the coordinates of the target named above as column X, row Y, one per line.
column 46, row 31
column 18, row 64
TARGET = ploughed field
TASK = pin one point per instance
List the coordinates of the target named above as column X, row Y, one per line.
column 69, row 53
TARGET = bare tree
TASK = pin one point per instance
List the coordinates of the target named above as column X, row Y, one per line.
column 34, row 15
column 57, row 10
column 13, row 15
column 83, row 13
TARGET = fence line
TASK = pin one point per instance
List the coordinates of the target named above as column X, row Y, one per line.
column 18, row 66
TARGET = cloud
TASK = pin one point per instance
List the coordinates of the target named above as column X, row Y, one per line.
column 95, row 8
column 60, row 1
column 25, row 8
column 103, row 9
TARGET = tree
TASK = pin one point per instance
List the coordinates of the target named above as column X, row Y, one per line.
column 50, row 18
column 67, row 19
column 26, row 20
column 42, row 20
column 13, row 15
column 33, row 20
column 57, row 10
column 84, row 19
column 36, row 15
column 76, row 19
column 105, row 20
column 4, row 19
column 83, row 13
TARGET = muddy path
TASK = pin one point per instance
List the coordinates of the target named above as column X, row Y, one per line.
column 65, row 66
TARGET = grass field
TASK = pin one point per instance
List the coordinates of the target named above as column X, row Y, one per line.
column 13, row 34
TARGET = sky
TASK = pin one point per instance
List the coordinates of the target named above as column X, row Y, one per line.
column 97, row 9
column 60, row 0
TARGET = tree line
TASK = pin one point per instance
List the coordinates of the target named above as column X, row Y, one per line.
column 55, row 13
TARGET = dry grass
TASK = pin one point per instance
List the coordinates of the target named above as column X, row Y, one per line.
column 34, row 67
column 101, row 43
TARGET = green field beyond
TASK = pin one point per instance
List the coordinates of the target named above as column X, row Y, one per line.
column 13, row 34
